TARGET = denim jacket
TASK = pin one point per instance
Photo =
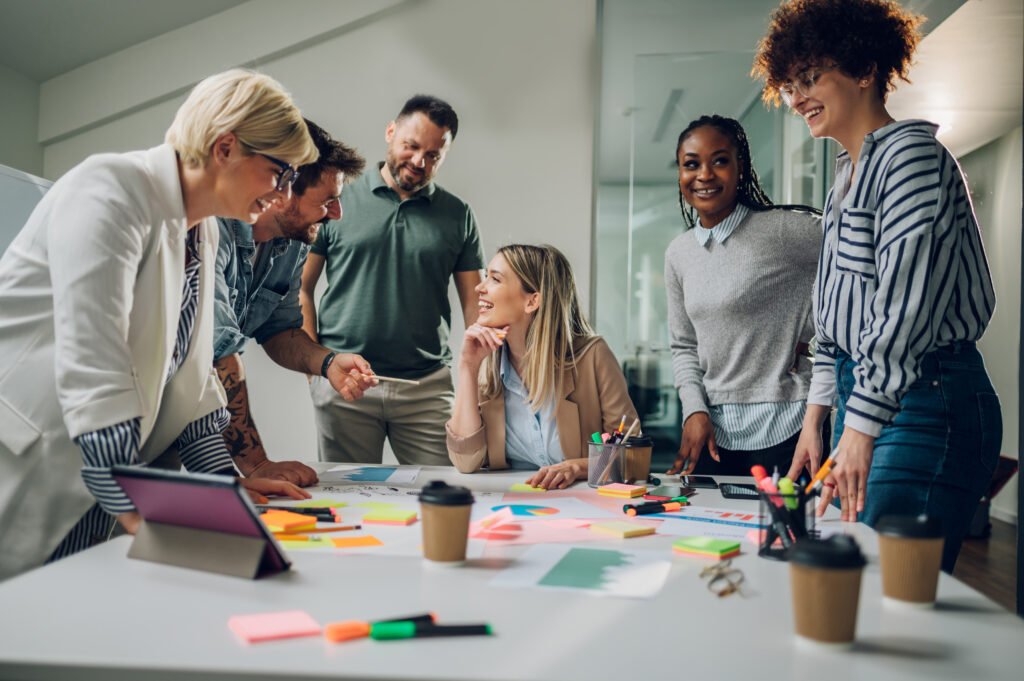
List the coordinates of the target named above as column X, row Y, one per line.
column 254, row 300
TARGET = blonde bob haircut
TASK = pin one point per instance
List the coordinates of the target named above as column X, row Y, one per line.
column 558, row 331
column 251, row 105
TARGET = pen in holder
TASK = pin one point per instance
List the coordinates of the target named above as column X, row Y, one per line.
column 605, row 463
column 786, row 518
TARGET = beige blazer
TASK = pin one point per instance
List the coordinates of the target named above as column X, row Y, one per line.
column 90, row 295
column 594, row 398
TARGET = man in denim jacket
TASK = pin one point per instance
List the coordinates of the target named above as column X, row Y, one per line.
column 259, row 268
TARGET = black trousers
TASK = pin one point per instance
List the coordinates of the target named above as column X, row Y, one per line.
column 740, row 461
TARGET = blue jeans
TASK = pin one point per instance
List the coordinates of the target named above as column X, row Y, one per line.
column 938, row 454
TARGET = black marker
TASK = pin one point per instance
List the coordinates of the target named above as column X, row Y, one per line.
column 385, row 631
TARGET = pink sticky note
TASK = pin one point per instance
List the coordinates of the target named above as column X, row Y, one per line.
column 269, row 626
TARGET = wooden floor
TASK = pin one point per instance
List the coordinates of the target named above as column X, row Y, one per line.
column 990, row 565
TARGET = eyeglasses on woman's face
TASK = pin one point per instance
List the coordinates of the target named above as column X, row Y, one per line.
column 803, row 83
column 287, row 173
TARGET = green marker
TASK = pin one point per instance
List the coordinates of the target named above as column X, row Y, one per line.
column 788, row 493
column 596, row 437
column 389, row 631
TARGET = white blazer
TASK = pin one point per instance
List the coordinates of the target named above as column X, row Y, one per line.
column 90, row 295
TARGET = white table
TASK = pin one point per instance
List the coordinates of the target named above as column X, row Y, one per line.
column 100, row 615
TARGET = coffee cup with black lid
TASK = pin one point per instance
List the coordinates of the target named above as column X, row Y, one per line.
column 825, row 576
column 445, row 512
column 910, row 549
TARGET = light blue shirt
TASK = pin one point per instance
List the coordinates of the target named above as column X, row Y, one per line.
column 723, row 229
column 748, row 427
column 531, row 438
column 255, row 297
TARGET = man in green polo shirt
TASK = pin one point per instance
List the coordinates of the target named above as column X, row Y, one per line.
column 388, row 264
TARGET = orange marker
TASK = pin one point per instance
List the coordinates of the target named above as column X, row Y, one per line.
column 825, row 469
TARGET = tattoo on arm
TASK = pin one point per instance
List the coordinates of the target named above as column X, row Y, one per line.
column 241, row 436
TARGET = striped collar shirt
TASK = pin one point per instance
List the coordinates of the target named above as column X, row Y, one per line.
column 723, row 229
column 902, row 269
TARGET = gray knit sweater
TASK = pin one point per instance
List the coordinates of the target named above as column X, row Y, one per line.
column 736, row 311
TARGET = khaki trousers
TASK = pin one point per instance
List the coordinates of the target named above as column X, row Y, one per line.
column 411, row 417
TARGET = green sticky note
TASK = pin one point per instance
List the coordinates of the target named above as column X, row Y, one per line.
column 706, row 545
column 523, row 487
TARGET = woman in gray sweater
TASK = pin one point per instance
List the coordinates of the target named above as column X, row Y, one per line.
column 739, row 307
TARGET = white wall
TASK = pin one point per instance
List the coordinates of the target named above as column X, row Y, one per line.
column 19, row 115
column 994, row 177
column 520, row 75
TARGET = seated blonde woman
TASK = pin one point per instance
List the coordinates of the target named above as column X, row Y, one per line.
column 548, row 381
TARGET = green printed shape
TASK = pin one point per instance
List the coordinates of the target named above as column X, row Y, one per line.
column 584, row 569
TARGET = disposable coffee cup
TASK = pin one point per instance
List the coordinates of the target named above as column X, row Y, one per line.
column 604, row 463
column 825, row 577
column 910, row 548
column 445, row 511
column 636, row 462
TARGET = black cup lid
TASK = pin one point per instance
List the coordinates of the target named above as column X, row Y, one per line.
column 640, row 441
column 443, row 494
column 837, row 552
column 909, row 526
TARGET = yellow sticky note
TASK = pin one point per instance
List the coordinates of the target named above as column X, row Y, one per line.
column 523, row 487
column 320, row 503
column 395, row 516
column 354, row 542
column 618, row 528
column 617, row 489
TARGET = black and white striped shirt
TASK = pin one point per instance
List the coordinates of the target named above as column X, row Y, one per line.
column 902, row 269
column 200, row 446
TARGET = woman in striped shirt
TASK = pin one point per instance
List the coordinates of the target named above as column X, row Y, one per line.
column 738, row 285
column 903, row 289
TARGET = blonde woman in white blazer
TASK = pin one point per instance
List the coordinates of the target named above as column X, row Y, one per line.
column 106, row 316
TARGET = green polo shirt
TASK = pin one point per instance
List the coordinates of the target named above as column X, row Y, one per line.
column 388, row 264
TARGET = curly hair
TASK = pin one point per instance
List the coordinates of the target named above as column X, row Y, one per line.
column 860, row 36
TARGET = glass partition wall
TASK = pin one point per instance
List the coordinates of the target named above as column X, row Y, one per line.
column 638, row 210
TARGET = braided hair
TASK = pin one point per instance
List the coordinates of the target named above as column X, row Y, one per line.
column 748, row 187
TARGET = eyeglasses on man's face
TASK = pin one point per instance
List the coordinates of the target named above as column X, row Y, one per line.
column 803, row 83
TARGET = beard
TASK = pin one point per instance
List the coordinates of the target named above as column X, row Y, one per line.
column 293, row 226
column 395, row 168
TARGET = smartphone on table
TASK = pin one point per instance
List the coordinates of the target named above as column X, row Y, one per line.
column 668, row 492
column 699, row 481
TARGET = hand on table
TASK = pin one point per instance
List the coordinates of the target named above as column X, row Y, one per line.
column 559, row 475
column 849, row 477
column 294, row 472
column 259, row 487
column 697, row 432
column 130, row 521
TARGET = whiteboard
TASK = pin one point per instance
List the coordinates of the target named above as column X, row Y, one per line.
column 19, row 194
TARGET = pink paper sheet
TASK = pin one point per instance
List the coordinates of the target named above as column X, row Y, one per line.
column 269, row 626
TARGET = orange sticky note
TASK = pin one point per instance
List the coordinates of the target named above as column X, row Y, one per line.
column 284, row 521
column 353, row 542
column 270, row 626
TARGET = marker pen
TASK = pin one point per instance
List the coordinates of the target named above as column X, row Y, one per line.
column 336, row 632
column 385, row 631
column 654, row 507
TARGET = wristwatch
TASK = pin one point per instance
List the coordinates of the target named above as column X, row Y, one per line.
column 327, row 363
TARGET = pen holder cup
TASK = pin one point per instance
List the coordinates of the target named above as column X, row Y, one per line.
column 784, row 518
column 636, row 462
column 605, row 463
